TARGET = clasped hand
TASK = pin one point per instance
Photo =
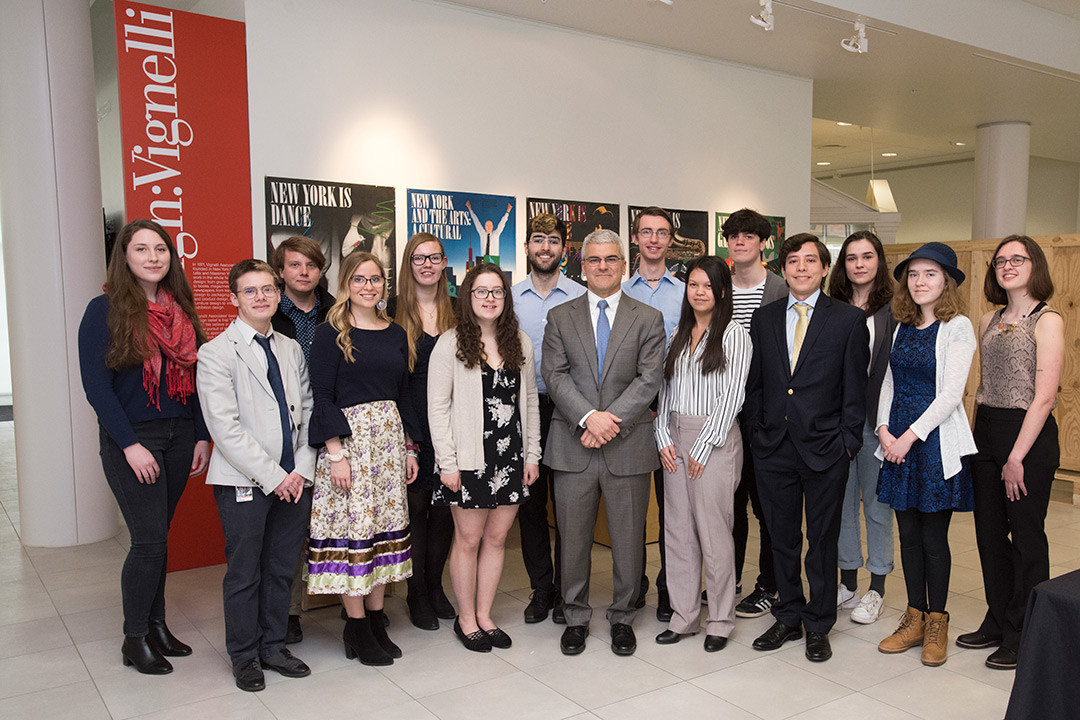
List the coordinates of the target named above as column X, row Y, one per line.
column 600, row 428
column 291, row 488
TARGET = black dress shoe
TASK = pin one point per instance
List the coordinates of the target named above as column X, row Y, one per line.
column 443, row 607
column 977, row 640
column 294, row 633
column 663, row 606
column 249, row 676
column 165, row 642
column 623, row 641
column 818, row 648
column 573, row 639
column 558, row 613
column 138, row 651
column 421, row 613
column 669, row 637
column 776, row 636
column 498, row 638
column 1002, row 659
column 540, row 605
column 476, row 641
column 715, row 643
column 287, row 664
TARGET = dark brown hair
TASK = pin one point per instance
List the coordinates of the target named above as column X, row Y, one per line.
column 470, row 346
column 303, row 245
column 840, row 284
column 1040, row 284
column 713, row 359
column 407, row 312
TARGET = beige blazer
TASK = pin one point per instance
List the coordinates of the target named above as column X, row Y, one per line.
column 241, row 412
column 456, row 407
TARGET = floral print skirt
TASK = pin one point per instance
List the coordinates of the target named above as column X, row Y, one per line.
column 359, row 538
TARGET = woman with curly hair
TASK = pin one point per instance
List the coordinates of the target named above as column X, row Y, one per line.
column 137, row 350
column 484, row 418
column 359, row 538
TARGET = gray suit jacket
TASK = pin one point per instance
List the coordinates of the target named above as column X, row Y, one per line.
column 775, row 288
column 242, row 413
column 633, row 372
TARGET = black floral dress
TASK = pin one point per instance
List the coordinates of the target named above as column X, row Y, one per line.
column 501, row 479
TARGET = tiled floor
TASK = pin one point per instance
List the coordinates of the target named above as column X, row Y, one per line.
column 60, row 637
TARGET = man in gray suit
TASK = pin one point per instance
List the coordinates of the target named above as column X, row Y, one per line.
column 603, row 364
column 255, row 396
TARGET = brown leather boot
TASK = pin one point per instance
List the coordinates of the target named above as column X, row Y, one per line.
column 909, row 634
column 936, row 641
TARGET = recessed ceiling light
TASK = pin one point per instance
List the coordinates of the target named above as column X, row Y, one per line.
column 888, row 154
column 959, row 144
column 844, row 124
column 824, row 163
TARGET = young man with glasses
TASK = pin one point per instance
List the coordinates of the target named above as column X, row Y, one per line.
column 542, row 289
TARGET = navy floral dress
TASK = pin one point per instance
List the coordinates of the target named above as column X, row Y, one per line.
column 919, row 483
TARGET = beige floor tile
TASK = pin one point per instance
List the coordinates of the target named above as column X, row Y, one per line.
column 972, row 664
column 78, row 701
column 538, row 644
column 51, row 560
column 349, row 692
column 688, row 659
column 40, row 671
column 517, row 696
column 854, row 706
column 753, row 686
column 856, row 663
column 32, row 637
column 443, row 667
column 77, row 599
column 98, row 624
column 683, row 701
column 127, row 693
column 940, row 694
column 237, row 705
column 601, row 678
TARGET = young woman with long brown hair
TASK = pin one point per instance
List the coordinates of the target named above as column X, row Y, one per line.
column 137, row 351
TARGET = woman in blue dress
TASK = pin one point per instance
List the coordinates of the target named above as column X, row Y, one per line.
column 925, row 439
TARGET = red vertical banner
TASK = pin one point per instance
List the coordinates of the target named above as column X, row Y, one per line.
column 184, row 134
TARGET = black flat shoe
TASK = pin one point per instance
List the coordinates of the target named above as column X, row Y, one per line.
column 498, row 638
column 249, row 676
column 715, row 643
column 1002, row 659
column 573, row 639
column 977, row 640
column 623, row 641
column 140, row 653
column 669, row 637
column 818, row 648
column 476, row 641
column 293, row 632
column 663, row 606
column 776, row 636
column 421, row 613
column 166, row 643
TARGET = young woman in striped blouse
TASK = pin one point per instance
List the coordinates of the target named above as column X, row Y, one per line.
column 701, row 450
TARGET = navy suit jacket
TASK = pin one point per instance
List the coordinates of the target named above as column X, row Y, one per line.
column 822, row 404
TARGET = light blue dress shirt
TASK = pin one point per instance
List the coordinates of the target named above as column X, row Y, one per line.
column 666, row 297
column 532, row 310
column 792, row 317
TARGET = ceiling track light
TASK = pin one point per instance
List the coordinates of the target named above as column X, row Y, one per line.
column 857, row 43
column 764, row 19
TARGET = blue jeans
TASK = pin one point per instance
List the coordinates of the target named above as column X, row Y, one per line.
column 862, row 486
column 148, row 509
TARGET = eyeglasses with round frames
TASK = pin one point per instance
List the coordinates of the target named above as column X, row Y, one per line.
column 266, row 290
column 482, row 293
column 595, row 260
column 361, row 281
column 647, row 233
column 435, row 258
column 1016, row 261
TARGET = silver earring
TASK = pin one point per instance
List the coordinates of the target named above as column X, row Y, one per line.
column 381, row 305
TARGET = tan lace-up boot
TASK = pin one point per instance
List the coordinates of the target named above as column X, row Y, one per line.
column 936, row 641
column 908, row 635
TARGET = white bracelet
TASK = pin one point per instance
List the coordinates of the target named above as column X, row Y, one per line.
column 339, row 455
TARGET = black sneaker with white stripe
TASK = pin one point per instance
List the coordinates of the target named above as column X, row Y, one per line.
column 756, row 604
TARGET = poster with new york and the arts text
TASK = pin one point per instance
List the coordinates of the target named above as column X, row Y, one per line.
column 581, row 218
column 687, row 243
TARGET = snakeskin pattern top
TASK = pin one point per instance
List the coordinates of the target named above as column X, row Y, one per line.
column 1008, row 361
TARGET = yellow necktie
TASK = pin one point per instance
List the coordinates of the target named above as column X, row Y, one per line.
column 800, row 332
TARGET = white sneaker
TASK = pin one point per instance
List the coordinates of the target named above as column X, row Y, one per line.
column 846, row 599
column 870, row 608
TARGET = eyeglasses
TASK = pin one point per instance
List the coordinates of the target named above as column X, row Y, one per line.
column 361, row 281
column 647, row 233
column 595, row 260
column 538, row 240
column 1016, row 261
column 266, row 290
column 482, row 293
column 435, row 258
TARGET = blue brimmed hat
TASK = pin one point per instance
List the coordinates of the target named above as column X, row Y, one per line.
column 940, row 253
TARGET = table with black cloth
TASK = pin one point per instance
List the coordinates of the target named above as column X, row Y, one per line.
column 1046, row 684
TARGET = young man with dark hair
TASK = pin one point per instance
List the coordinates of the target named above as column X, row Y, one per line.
column 299, row 262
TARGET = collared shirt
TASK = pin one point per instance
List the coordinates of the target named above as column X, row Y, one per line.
column 304, row 322
column 667, row 296
column 793, row 316
column 248, row 333
column 532, row 310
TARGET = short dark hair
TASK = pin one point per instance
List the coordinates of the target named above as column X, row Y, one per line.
column 652, row 211
column 795, row 243
column 746, row 221
column 244, row 267
column 1041, row 285
column 547, row 224
column 303, row 245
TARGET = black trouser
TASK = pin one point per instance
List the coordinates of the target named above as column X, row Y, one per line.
column 545, row 575
column 1011, row 566
column 661, row 575
column 148, row 509
column 925, row 557
column 432, row 532
column 747, row 492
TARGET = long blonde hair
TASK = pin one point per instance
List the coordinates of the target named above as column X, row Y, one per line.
column 339, row 315
column 407, row 313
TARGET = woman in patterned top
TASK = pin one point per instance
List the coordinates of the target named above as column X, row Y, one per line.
column 484, row 420
column 1023, row 348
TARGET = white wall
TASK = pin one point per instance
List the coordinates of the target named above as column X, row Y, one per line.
column 423, row 95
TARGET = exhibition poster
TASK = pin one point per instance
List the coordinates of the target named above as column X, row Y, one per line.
column 688, row 242
column 771, row 254
column 581, row 218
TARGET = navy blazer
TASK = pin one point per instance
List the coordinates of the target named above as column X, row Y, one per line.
column 822, row 404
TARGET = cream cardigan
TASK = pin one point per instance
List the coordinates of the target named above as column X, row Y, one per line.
column 954, row 350
column 456, row 407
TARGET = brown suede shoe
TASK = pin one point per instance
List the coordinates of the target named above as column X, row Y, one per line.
column 909, row 634
column 935, row 643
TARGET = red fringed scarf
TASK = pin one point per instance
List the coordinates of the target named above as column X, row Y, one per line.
column 171, row 335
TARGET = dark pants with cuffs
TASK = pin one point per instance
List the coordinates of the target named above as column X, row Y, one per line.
column 545, row 574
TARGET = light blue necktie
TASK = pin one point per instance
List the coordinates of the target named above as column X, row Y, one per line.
column 603, row 332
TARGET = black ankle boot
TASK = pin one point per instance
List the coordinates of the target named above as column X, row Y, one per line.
column 359, row 642
column 442, row 605
column 420, row 611
column 165, row 642
column 378, row 629
column 139, row 652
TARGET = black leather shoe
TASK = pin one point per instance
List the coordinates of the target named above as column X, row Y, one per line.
column 558, row 613
column 540, row 605
column 669, row 637
column 623, row 641
column 663, row 606
column 1002, row 659
column 294, row 633
column 573, row 639
column 421, row 613
column 476, row 641
column 249, row 676
column 165, row 642
column 818, row 648
column 287, row 664
column 776, row 636
column 138, row 651
column 443, row 607
column 977, row 640
column 715, row 643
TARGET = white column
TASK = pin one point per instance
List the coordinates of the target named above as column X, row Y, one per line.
column 54, row 255
column 1002, row 155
